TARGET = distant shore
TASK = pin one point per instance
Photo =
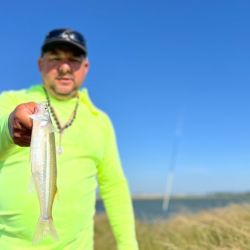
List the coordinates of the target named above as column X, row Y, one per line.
column 217, row 195
column 221, row 195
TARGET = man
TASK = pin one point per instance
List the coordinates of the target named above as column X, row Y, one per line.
column 87, row 155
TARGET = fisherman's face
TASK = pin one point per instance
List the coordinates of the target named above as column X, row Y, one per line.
column 63, row 72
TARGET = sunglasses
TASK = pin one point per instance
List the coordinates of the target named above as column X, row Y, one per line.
column 66, row 35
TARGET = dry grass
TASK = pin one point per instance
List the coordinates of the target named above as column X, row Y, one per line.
column 219, row 229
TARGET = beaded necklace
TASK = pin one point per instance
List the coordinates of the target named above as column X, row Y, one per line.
column 61, row 128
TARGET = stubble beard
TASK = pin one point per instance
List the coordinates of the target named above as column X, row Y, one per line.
column 61, row 95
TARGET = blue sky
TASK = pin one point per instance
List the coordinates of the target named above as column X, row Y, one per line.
column 152, row 62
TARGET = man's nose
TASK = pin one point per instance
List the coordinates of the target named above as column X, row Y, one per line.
column 64, row 68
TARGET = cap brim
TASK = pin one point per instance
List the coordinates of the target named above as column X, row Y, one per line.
column 68, row 44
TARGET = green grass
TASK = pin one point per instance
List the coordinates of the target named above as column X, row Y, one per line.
column 218, row 229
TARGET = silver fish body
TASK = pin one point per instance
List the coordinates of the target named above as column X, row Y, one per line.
column 44, row 169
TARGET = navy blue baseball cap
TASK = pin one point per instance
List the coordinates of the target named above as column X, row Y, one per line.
column 65, row 37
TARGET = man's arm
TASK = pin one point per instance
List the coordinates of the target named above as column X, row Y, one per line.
column 115, row 194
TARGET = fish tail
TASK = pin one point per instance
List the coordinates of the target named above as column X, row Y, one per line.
column 44, row 227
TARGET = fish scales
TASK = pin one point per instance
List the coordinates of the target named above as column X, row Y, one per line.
column 44, row 169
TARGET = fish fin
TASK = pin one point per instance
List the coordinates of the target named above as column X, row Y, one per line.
column 44, row 227
column 37, row 117
column 33, row 117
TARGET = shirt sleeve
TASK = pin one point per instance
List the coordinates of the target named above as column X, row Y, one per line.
column 6, row 107
column 115, row 194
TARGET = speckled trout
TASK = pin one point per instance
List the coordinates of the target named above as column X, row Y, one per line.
column 43, row 168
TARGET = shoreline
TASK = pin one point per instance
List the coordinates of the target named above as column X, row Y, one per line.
column 219, row 195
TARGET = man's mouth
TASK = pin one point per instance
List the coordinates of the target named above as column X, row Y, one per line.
column 65, row 79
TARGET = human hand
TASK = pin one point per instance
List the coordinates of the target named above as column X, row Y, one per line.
column 20, row 123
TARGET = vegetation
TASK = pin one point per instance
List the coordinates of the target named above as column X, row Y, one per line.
column 218, row 229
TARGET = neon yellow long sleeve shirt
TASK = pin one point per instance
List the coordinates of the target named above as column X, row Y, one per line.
column 90, row 158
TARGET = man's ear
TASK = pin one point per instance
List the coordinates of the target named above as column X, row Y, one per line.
column 40, row 64
column 86, row 65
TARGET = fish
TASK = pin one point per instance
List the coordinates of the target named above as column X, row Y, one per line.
column 44, row 169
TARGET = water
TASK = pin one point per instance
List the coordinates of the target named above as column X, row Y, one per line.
column 150, row 209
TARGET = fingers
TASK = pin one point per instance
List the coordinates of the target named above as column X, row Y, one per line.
column 21, row 139
column 31, row 107
column 23, row 112
column 20, row 124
